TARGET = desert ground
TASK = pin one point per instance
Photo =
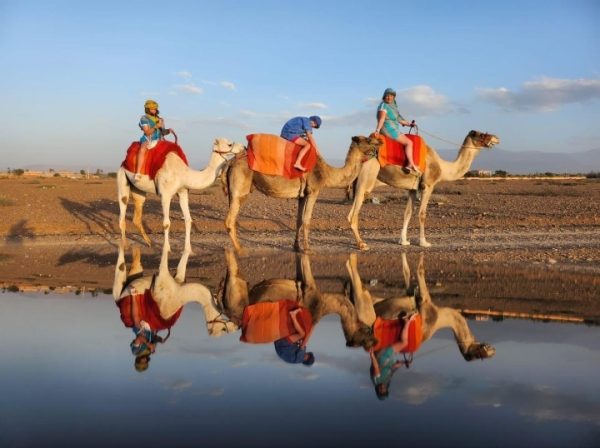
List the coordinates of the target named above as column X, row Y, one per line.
column 518, row 245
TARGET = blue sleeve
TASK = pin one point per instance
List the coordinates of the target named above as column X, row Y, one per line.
column 145, row 121
column 306, row 124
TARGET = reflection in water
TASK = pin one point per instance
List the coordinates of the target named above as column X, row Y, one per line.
column 151, row 303
column 402, row 324
column 66, row 386
column 284, row 311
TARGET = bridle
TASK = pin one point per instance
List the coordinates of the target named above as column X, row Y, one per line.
column 224, row 153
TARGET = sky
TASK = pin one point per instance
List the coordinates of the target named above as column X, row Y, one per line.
column 75, row 75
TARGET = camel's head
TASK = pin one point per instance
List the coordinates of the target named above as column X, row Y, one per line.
column 223, row 146
column 479, row 350
column 366, row 145
column 482, row 139
column 219, row 327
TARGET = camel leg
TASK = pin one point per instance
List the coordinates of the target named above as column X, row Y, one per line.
column 138, row 201
column 120, row 273
column 239, row 184
column 363, row 302
column 123, row 191
column 407, row 215
column 364, row 184
column 235, row 295
column 165, row 200
column 305, row 209
column 182, row 266
column 187, row 217
column 422, row 214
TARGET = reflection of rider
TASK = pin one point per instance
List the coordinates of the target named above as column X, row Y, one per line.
column 383, row 363
column 140, row 313
column 139, row 310
column 292, row 348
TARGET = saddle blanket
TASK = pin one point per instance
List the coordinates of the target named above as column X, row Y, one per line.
column 154, row 159
column 274, row 155
column 391, row 152
column 148, row 309
column 269, row 321
column 388, row 331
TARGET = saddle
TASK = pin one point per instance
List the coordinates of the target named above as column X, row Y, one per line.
column 274, row 155
column 265, row 322
column 391, row 152
column 154, row 159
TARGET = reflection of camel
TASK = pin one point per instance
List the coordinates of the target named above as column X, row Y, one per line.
column 433, row 317
column 437, row 170
column 174, row 177
column 170, row 293
column 236, row 296
column 240, row 179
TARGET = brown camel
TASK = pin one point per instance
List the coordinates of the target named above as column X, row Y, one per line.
column 236, row 294
column 433, row 317
column 437, row 170
column 239, row 179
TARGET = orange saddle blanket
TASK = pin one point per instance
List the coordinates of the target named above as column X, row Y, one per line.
column 271, row 154
column 391, row 152
column 269, row 321
column 154, row 159
column 387, row 332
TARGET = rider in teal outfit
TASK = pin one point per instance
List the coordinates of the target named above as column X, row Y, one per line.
column 389, row 120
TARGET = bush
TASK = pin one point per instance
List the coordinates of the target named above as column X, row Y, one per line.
column 18, row 172
column 500, row 173
column 593, row 175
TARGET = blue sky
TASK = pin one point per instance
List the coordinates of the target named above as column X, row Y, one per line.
column 75, row 74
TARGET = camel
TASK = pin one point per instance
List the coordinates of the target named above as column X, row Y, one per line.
column 236, row 295
column 437, row 170
column 174, row 177
column 169, row 292
column 238, row 180
column 433, row 317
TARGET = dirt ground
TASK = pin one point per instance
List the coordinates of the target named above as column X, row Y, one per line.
column 519, row 245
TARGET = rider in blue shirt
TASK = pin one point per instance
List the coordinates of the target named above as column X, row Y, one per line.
column 299, row 131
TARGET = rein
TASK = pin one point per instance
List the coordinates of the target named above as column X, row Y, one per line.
column 453, row 143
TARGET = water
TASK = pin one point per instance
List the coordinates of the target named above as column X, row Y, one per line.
column 67, row 377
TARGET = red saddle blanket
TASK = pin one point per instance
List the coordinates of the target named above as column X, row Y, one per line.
column 391, row 152
column 271, row 154
column 387, row 332
column 154, row 159
column 148, row 309
column 269, row 321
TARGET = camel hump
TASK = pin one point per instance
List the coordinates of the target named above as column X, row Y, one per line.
column 273, row 155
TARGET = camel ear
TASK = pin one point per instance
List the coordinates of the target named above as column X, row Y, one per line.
column 356, row 138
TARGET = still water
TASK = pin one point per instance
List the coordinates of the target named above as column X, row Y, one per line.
column 67, row 375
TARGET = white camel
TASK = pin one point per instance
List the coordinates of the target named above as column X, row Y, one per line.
column 170, row 293
column 437, row 170
column 174, row 177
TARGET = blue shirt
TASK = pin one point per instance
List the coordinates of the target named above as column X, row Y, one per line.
column 296, row 127
column 289, row 351
column 386, row 362
column 147, row 121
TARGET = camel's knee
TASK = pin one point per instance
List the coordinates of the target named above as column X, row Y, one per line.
column 125, row 200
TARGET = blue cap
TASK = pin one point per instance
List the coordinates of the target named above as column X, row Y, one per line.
column 388, row 91
column 310, row 360
column 316, row 119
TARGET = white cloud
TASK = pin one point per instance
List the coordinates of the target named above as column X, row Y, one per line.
column 545, row 94
column 184, row 74
column 228, row 85
column 189, row 88
column 312, row 105
column 423, row 100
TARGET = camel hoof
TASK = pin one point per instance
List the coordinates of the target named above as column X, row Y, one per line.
column 363, row 246
column 405, row 242
column 424, row 244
